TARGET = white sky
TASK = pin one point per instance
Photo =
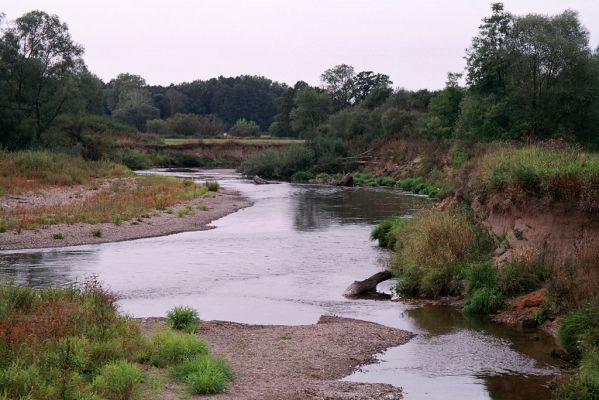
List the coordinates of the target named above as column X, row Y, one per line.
column 416, row 42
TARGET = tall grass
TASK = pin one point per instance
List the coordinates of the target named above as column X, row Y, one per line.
column 559, row 173
column 29, row 170
column 72, row 343
column 432, row 248
column 278, row 163
column 126, row 200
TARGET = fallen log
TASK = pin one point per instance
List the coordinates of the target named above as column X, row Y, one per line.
column 346, row 180
column 367, row 285
column 260, row 181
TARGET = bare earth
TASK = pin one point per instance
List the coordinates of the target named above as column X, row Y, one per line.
column 225, row 202
column 276, row 362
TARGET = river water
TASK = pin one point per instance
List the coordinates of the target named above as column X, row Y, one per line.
column 287, row 260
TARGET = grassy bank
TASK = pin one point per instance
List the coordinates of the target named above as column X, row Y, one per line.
column 35, row 170
column 72, row 343
column 84, row 191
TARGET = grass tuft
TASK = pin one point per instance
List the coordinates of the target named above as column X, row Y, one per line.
column 183, row 318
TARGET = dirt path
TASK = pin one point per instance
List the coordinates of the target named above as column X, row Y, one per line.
column 297, row 362
column 165, row 223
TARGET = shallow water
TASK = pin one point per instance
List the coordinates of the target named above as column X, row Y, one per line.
column 287, row 260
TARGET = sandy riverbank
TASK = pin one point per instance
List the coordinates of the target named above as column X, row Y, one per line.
column 165, row 223
column 274, row 362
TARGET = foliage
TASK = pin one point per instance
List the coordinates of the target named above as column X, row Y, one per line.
column 278, row 163
column 243, row 127
column 204, row 374
column 170, row 348
column 118, row 380
column 28, row 170
column 143, row 195
column 484, row 301
column 383, row 232
column 50, row 342
column 212, row 186
column 183, row 318
column 577, row 327
column 187, row 124
column 558, row 173
column 432, row 248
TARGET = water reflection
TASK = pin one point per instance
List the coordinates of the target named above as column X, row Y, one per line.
column 287, row 260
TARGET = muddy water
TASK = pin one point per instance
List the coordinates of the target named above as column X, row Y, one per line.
column 286, row 260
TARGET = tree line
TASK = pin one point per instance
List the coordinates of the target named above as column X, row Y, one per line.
column 527, row 77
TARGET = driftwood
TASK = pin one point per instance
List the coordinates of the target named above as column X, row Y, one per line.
column 260, row 181
column 367, row 285
column 347, row 180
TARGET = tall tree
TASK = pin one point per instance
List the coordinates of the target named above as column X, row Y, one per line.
column 311, row 109
column 339, row 81
column 39, row 61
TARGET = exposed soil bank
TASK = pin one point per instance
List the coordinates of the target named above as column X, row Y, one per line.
column 225, row 202
column 297, row 362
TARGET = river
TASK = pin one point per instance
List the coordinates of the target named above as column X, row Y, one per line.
column 287, row 260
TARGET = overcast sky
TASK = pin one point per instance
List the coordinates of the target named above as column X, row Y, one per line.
column 416, row 42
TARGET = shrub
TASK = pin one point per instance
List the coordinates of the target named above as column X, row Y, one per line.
column 484, row 301
column 117, row 220
column 432, row 247
column 204, row 374
column 183, row 318
column 169, row 348
column 57, row 236
column 132, row 158
column 302, row 176
column 518, row 277
column 479, row 275
column 278, row 163
column 585, row 384
column 576, row 326
column 243, row 127
column 383, row 232
column 96, row 232
column 118, row 380
column 212, row 186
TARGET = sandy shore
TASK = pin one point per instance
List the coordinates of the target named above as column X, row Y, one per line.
column 224, row 203
column 276, row 362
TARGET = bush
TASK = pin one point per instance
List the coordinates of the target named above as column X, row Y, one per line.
column 383, row 232
column 278, row 163
column 118, row 380
column 96, row 232
column 204, row 374
column 212, row 186
column 585, row 384
column 431, row 249
column 169, row 348
column 576, row 327
column 558, row 173
column 132, row 158
column 57, row 236
column 518, row 278
column 302, row 176
column 243, row 127
column 183, row 318
column 478, row 276
column 484, row 301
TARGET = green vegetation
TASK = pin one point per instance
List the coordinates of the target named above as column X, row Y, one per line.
column 57, row 236
column 385, row 232
column 278, row 164
column 558, row 173
column 243, row 127
column 579, row 336
column 71, row 343
column 447, row 253
column 212, row 186
column 96, row 232
column 32, row 170
column 184, row 318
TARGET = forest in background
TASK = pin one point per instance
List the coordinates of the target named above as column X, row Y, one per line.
column 530, row 77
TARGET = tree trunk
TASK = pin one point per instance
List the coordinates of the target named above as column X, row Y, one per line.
column 368, row 285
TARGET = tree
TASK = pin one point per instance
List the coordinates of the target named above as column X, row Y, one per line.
column 129, row 100
column 311, row 109
column 243, row 127
column 365, row 82
column 39, row 61
column 339, row 81
column 444, row 107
